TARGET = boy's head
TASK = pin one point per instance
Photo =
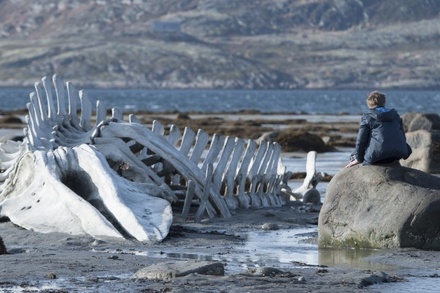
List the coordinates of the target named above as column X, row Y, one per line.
column 376, row 99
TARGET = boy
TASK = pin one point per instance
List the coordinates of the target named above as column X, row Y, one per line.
column 381, row 138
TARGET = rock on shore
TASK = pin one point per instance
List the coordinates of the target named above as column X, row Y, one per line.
column 381, row 206
column 2, row 247
column 168, row 270
column 423, row 135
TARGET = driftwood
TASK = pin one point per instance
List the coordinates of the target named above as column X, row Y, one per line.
column 110, row 177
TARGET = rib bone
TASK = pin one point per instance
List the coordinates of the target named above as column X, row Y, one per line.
column 80, row 172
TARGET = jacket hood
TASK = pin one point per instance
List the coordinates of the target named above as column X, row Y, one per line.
column 382, row 114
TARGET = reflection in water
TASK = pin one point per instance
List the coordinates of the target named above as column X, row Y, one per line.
column 349, row 258
column 283, row 249
column 280, row 248
column 291, row 247
column 191, row 256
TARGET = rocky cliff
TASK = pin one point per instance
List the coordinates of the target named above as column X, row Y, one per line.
column 259, row 44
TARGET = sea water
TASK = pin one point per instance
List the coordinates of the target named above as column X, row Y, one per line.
column 223, row 101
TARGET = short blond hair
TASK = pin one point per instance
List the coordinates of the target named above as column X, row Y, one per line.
column 376, row 99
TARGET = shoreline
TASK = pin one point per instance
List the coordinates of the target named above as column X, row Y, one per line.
column 79, row 263
column 335, row 130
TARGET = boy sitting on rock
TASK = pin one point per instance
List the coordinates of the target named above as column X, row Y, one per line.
column 381, row 138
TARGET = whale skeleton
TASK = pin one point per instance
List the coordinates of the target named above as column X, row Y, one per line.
column 78, row 171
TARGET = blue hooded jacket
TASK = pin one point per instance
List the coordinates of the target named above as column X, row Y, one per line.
column 381, row 137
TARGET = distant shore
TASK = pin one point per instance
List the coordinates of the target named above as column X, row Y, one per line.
column 336, row 130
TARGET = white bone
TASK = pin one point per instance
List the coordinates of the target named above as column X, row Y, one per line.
column 106, row 177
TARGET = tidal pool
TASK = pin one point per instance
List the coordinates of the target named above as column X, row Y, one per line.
column 283, row 249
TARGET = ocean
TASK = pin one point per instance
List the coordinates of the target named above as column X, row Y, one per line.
column 313, row 102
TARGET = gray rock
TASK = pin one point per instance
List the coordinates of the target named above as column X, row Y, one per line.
column 51, row 276
column 168, row 270
column 423, row 135
column 426, row 151
column 377, row 279
column 2, row 247
column 381, row 206
column 420, row 121
column 265, row 271
column 312, row 196
column 293, row 140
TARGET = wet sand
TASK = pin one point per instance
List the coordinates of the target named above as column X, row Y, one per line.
column 58, row 262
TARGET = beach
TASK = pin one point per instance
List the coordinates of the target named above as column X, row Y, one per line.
column 57, row 262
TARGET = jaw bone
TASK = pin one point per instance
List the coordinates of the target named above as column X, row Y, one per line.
column 57, row 181
column 106, row 177
column 73, row 190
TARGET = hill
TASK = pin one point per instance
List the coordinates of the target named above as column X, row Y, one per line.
column 260, row 44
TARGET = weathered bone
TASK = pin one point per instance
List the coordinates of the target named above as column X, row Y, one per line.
column 10, row 153
column 82, row 195
column 108, row 177
column 307, row 191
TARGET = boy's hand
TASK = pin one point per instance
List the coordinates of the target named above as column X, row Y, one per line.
column 352, row 163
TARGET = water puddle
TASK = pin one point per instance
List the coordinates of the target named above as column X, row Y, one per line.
column 283, row 249
column 350, row 258
column 298, row 248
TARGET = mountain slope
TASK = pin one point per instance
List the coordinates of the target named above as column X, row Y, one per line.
column 222, row 44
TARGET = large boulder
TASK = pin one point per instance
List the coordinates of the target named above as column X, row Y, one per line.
column 381, row 206
column 423, row 135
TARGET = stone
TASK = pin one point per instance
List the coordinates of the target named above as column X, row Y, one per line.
column 293, row 140
column 377, row 279
column 312, row 196
column 175, row 269
column 51, row 276
column 426, row 151
column 381, row 206
column 265, row 271
column 2, row 247
column 420, row 121
column 423, row 135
